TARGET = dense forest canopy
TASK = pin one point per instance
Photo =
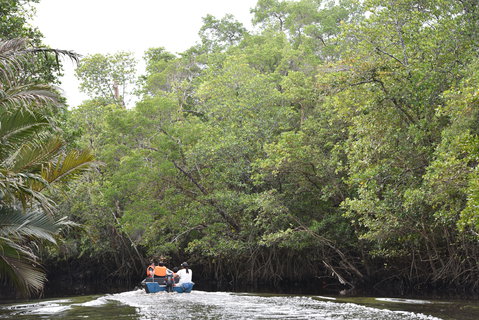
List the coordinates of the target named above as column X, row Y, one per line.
column 336, row 141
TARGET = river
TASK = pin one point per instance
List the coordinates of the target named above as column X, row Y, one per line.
column 226, row 305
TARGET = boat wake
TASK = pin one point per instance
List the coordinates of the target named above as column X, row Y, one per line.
column 224, row 305
column 200, row 305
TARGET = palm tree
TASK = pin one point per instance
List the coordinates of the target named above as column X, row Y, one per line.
column 32, row 157
column 19, row 83
column 19, row 265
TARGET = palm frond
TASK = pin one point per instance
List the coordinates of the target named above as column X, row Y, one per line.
column 15, row 52
column 17, row 187
column 16, row 89
column 29, row 95
column 11, row 47
column 18, row 127
column 10, row 61
column 70, row 166
column 30, row 156
column 18, row 264
column 57, row 53
column 34, row 166
column 18, row 268
column 29, row 162
column 16, row 225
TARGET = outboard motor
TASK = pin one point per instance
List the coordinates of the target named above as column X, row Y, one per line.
column 169, row 282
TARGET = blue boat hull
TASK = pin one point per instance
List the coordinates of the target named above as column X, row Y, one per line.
column 154, row 287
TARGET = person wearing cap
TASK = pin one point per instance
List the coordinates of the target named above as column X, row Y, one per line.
column 185, row 274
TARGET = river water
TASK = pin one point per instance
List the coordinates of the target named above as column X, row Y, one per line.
column 226, row 305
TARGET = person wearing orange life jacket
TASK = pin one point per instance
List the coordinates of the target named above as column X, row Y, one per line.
column 161, row 271
column 164, row 275
column 150, row 270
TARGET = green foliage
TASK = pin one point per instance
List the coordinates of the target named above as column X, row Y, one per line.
column 18, row 260
column 108, row 76
column 342, row 137
column 33, row 155
column 32, row 158
column 452, row 177
column 13, row 24
column 219, row 34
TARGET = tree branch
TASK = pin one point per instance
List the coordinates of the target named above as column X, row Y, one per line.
column 212, row 202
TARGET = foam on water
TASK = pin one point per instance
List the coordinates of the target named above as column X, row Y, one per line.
column 325, row 298
column 43, row 307
column 93, row 303
column 209, row 305
column 51, row 309
column 223, row 305
column 410, row 301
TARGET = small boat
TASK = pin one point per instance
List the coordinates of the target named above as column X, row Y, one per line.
column 154, row 285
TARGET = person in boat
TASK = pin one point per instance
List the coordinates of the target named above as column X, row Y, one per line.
column 186, row 276
column 150, row 270
column 163, row 275
column 176, row 277
column 161, row 270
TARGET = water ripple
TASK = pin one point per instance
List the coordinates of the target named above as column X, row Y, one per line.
column 223, row 305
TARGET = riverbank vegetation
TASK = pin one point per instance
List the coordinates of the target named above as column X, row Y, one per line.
column 337, row 142
column 34, row 157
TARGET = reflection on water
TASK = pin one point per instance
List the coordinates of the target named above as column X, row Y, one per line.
column 209, row 305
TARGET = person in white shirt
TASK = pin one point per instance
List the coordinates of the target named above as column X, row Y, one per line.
column 185, row 276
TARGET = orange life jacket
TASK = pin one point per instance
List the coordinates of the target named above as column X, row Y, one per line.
column 149, row 270
column 160, row 271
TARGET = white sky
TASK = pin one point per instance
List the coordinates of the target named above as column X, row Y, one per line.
column 109, row 26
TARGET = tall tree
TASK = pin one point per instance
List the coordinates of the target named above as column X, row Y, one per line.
column 332, row 142
column 219, row 34
column 110, row 77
